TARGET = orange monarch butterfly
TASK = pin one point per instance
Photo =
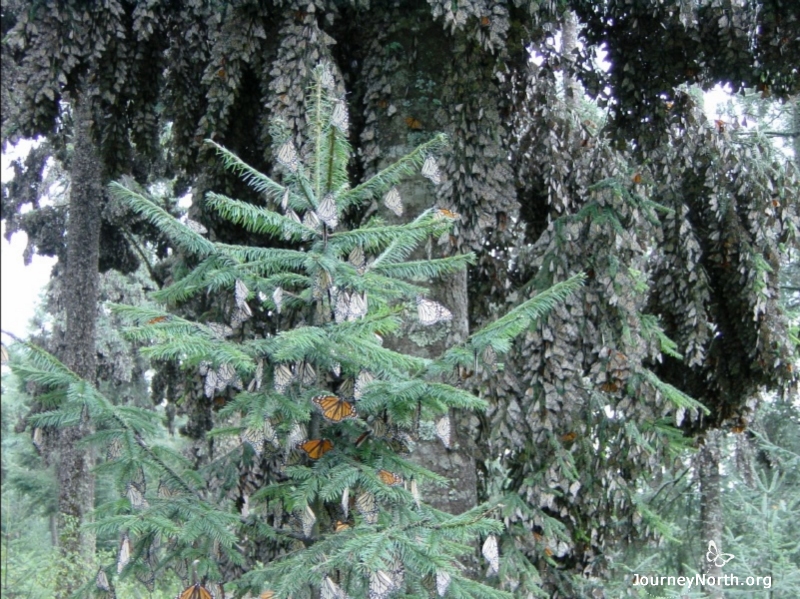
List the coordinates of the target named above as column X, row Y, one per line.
column 316, row 448
column 196, row 591
column 569, row 437
column 390, row 478
column 267, row 595
column 156, row 320
column 413, row 123
column 430, row 170
column 334, row 408
column 445, row 213
column 340, row 526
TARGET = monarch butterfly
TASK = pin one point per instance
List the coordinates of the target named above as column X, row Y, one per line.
column 430, row 312
column 316, row 448
column 287, row 156
column 381, row 585
column 390, row 478
column 341, row 309
column 331, row 590
column 569, row 437
column 196, row 227
column 311, row 220
column 415, row 493
column 327, row 211
column 363, row 379
column 445, row 213
column 124, row 555
column 285, row 200
column 356, row 258
column 277, row 298
column 340, row 526
column 326, row 77
column 444, row 431
column 485, row 21
column 4, row 354
column 101, row 581
column 358, row 306
column 156, row 320
column 255, row 384
column 38, row 440
column 637, row 178
column 135, row 496
column 491, row 553
column 346, row 502
column 196, row 591
column 283, row 377
column 307, row 373
column 334, row 408
column 430, row 170
column 307, row 520
column 413, row 123
column 165, row 491
column 340, row 118
column 442, row 582
column 365, row 505
column 255, row 438
column 296, row 436
column 393, row 201
column 336, row 369
column 267, row 595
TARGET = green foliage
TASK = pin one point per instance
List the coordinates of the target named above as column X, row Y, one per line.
column 321, row 415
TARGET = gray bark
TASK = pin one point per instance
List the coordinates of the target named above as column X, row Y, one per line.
column 711, row 518
column 75, row 461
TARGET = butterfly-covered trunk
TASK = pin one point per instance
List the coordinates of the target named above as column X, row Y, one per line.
column 75, row 462
column 711, row 517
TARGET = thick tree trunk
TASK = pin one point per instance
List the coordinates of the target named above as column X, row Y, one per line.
column 75, row 461
column 711, row 519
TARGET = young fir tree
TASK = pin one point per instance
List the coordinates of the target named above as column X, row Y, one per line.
column 310, row 492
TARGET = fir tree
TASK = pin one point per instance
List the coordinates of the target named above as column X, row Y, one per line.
column 310, row 490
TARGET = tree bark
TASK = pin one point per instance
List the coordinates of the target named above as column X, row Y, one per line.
column 75, row 461
column 711, row 518
column 569, row 43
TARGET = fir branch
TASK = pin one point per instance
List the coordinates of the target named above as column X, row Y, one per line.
column 256, row 219
column 180, row 234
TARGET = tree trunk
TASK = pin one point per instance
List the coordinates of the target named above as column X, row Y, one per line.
column 569, row 44
column 711, row 519
column 75, row 461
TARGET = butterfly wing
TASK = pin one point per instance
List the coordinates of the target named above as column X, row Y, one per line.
column 316, row 448
column 390, row 478
column 430, row 312
column 430, row 170
column 334, row 408
column 287, row 156
column 393, row 201
column 327, row 211
column 444, row 431
column 491, row 553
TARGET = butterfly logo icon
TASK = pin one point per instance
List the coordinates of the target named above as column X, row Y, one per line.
column 713, row 555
